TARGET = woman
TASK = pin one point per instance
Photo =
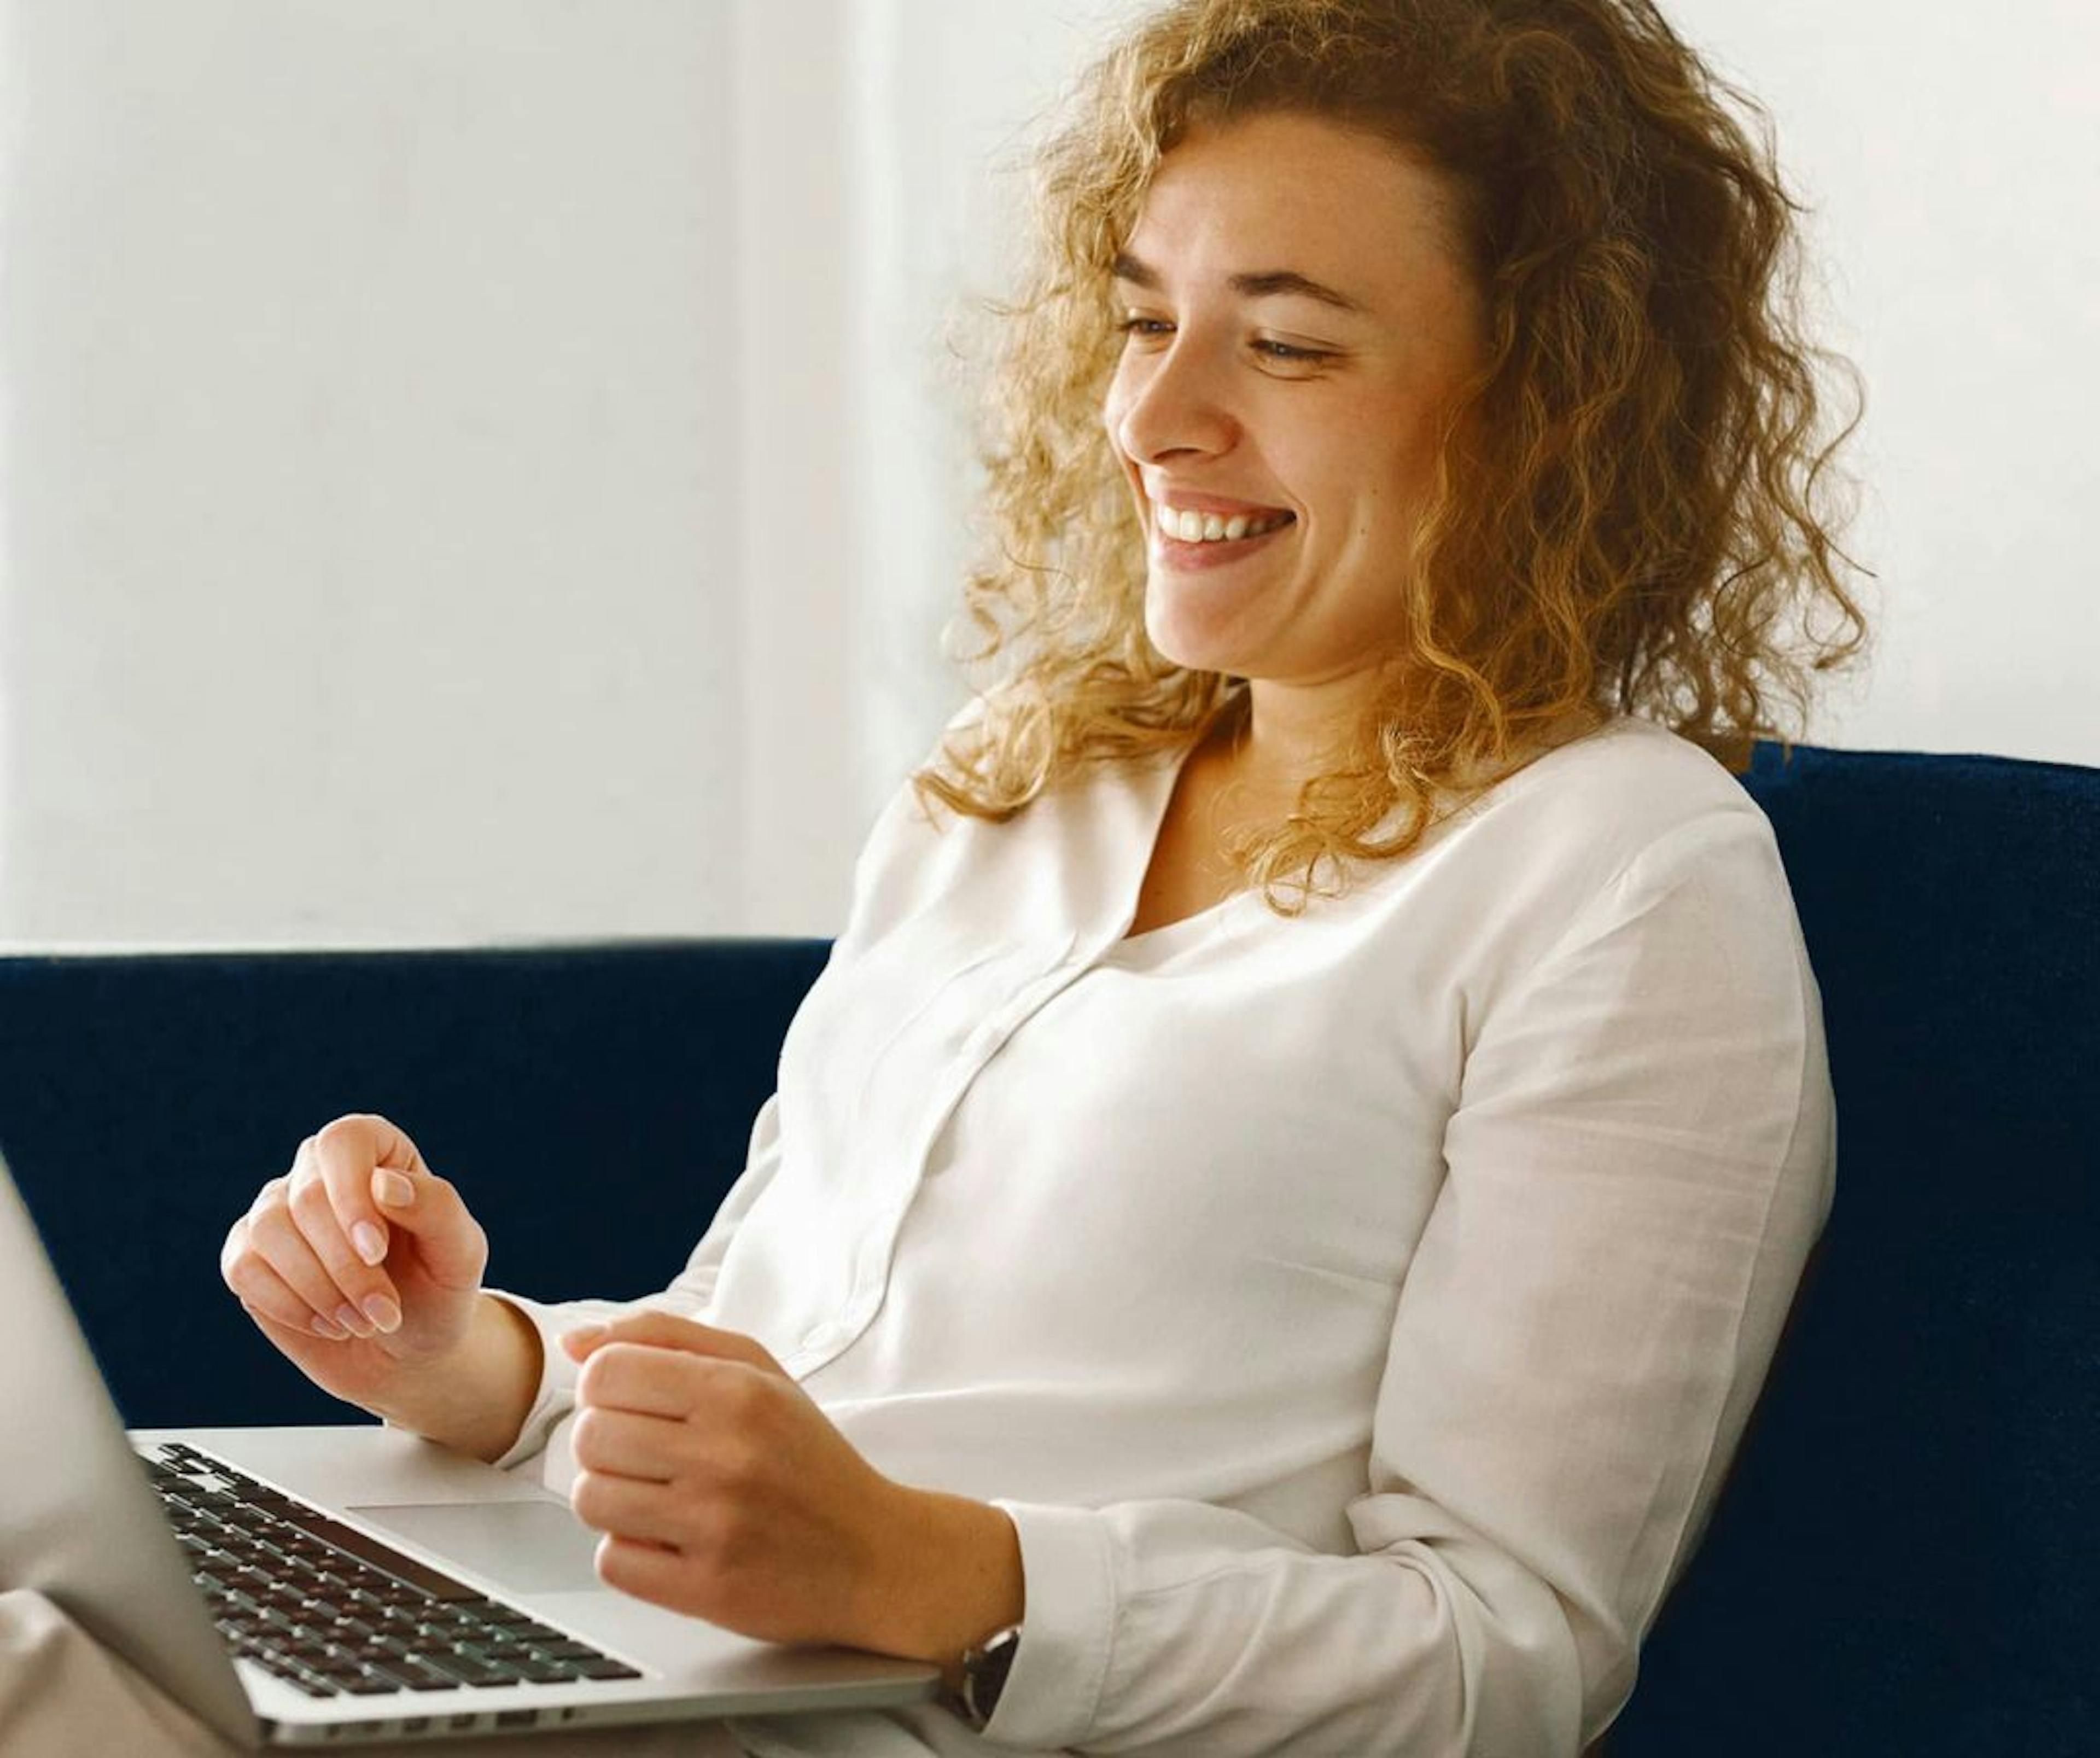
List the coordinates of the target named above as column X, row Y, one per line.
column 1287, row 1189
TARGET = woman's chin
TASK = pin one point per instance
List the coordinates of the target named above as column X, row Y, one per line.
column 1188, row 643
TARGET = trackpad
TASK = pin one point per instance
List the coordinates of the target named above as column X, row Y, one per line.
column 529, row 1547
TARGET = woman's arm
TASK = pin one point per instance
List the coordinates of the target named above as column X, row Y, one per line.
column 1639, row 1164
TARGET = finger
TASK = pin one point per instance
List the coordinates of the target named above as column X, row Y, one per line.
column 367, row 1291
column 274, row 1331
column 626, row 1507
column 274, row 1237
column 265, row 1294
column 625, row 1444
column 662, row 1329
column 348, row 1151
column 642, row 1380
column 449, row 1240
column 650, row 1572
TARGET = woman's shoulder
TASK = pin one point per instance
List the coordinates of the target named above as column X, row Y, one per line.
column 1631, row 804
column 1625, row 784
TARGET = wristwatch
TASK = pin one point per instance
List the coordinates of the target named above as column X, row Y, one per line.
column 985, row 1668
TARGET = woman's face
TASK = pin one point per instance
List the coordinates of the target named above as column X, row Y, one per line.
column 1295, row 320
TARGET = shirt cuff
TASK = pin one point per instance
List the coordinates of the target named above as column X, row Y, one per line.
column 1052, row 1694
column 556, row 1395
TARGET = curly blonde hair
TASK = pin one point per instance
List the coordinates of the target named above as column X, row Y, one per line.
column 1629, row 500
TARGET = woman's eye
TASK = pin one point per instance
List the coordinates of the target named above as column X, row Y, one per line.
column 1284, row 350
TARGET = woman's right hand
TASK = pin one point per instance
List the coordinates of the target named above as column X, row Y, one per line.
column 360, row 1263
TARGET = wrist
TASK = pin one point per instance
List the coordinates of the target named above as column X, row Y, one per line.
column 953, row 1578
column 474, row 1397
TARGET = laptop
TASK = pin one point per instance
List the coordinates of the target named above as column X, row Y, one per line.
column 333, row 1585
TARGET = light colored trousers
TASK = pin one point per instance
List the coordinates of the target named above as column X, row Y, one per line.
column 64, row 1695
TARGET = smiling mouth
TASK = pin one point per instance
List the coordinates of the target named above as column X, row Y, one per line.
column 1190, row 527
column 1211, row 552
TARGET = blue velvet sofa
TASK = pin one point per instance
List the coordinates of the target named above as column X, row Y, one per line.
column 1907, row 1558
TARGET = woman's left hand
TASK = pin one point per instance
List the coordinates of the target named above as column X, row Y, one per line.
column 724, row 1492
column 721, row 1489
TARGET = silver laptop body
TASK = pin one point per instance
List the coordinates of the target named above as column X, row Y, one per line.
column 79, row 1523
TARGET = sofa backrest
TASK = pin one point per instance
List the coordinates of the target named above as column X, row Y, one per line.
column 1906, row 1557
column 592, row 1102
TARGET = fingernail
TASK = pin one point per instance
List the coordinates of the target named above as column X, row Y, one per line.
column 366, row 1238
column 392, row 1189
column 584, row 1336
column 329, row 1328
column 352, row 1320
column 382, row 1312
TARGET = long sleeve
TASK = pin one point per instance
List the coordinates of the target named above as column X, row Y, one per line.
column 1638, row 1163
column 687, row 1297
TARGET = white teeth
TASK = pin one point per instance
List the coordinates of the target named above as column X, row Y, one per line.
column 1192, row 527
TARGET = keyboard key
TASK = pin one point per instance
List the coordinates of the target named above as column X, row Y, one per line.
column 565, row 1650
column 369, row 1684
column 396, row 1676
column 420, row 1677
column 466, row 1669
column 311, row 1687
column 533, row 1671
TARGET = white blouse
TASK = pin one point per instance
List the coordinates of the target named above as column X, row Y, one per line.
column 1356, row 1314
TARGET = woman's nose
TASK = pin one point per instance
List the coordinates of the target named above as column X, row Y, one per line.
column 1171, row 400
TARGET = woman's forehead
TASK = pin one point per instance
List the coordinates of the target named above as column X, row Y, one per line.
column 1294, row 194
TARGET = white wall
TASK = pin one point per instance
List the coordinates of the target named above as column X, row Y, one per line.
column 361, row 464
column 1950, row 158
column 492, row 470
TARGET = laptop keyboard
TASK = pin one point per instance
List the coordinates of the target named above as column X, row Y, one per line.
column 335, row 1613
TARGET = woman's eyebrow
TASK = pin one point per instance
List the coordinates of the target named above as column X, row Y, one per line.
column 1262, row 284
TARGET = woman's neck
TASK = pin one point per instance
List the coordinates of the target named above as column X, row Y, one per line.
column 1266, row 747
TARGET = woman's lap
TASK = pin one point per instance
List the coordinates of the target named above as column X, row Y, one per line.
column 64, row 1695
